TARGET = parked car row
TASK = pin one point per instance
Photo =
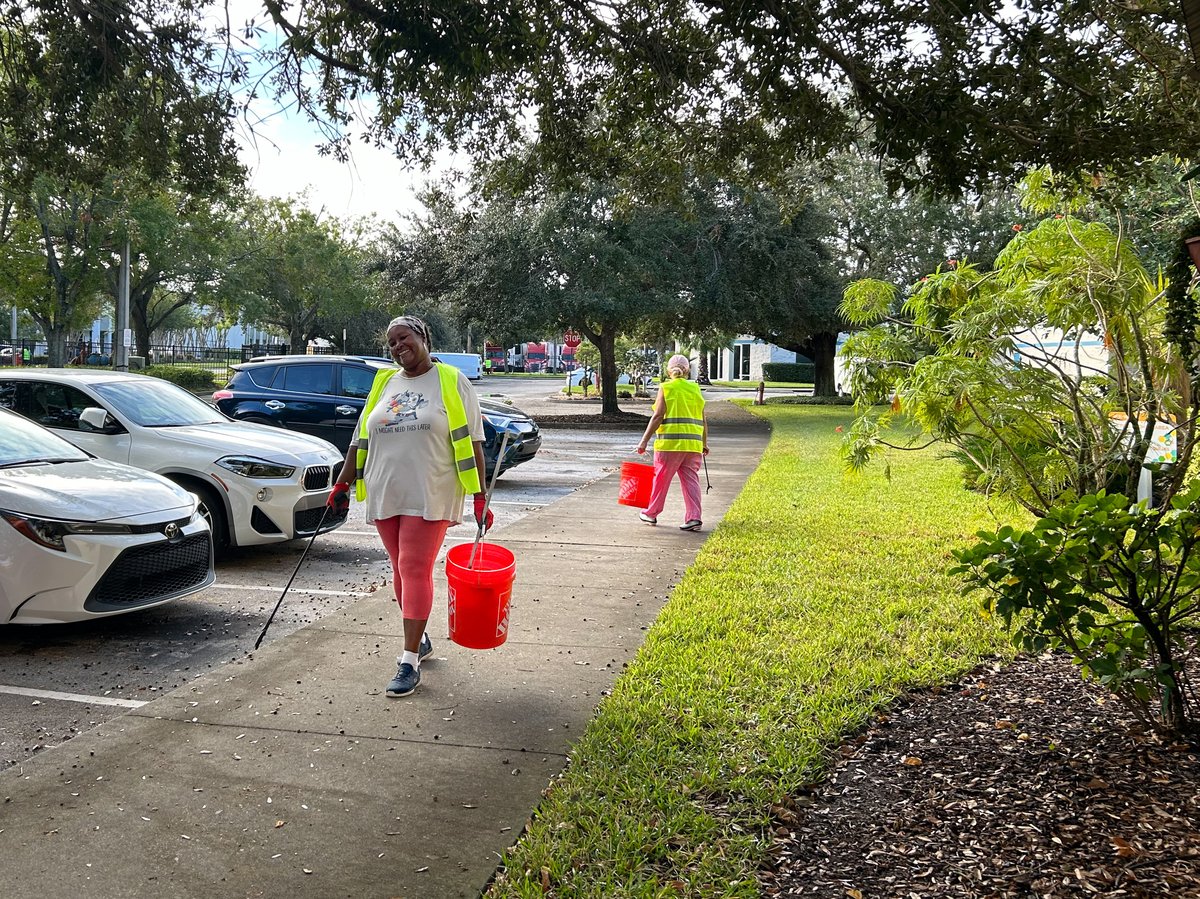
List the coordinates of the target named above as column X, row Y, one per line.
column 254, row 484
column 324, row 396
column 117, row 490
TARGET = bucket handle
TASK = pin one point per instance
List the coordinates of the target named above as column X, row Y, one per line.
column 488, row 499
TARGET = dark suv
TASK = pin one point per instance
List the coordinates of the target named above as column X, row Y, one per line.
column 324, row 396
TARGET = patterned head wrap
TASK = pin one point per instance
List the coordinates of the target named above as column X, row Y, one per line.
column 415, row 325
column 679, row 366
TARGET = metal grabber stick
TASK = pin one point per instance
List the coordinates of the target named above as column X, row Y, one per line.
column 704, row 458
column 487, row 501
column 303, row 556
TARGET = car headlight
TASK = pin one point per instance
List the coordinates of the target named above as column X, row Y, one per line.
column 250, row 467
column 49, row 532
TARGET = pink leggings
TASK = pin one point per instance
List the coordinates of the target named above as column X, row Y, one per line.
column 412, row 545
column 668, row 464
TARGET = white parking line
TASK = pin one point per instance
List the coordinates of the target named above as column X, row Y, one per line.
column 221, row 586
column 73, row 697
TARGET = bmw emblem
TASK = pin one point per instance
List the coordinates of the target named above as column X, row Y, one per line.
column 171, row 531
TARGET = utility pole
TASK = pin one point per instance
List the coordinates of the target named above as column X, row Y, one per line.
column 121, row 333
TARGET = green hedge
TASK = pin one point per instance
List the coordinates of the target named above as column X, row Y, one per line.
column 790, row 372
column 189, row 378
column 809, row 401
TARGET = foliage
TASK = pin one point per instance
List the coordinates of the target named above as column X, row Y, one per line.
column 788, row 372
column 820, row 646
column 1052, row 426
column 646, row 91
column 1114, row 583
column 189, row 377
column 301, row 273
column 896, row 235
column 53, row 256
column 90, row 89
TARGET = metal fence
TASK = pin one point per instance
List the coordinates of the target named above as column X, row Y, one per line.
column 217, row 362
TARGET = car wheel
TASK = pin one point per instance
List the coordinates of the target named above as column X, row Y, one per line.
column 213, row 512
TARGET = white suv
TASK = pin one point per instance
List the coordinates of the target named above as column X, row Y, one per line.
column 256, row 484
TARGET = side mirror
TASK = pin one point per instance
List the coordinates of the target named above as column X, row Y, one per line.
column 93, row 418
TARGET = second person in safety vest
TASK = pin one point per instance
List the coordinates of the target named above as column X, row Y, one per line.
column 680, row 432
column 418, row 452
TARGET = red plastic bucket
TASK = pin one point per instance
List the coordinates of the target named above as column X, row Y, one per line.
column 479, row 596
column 637, row 479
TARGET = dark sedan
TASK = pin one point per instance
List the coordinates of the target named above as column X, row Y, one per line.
column 324, row 396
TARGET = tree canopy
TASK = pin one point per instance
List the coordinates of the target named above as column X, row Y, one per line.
column 954, row 95
column 90, row 87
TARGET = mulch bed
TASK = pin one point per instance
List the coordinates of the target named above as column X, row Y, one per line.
column 1019, row 781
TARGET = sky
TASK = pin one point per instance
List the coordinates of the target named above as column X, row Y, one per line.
column 283, row 160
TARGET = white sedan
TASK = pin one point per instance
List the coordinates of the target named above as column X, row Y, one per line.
column 83, row 538
column 256, row 484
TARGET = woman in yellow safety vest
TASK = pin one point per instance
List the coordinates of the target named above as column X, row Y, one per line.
column 680, row 434
column 418, row 452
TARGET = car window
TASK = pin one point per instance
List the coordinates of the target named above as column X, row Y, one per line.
column 23, row 441
column 307, row 378
column 52, row 405
column 261, row 375
column 357, row 380
column 153, row 403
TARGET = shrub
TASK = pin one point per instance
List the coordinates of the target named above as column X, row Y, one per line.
column 992, row 365
column 809, row 401
column 184, row 376
column 1111, row 582
column 789, row 372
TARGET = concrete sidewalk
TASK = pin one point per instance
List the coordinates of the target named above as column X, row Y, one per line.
column 290, row 774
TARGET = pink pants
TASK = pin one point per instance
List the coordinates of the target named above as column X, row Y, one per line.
column 666, row 466
column 412, row 545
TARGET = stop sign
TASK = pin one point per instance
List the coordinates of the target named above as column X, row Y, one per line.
column 572, row 339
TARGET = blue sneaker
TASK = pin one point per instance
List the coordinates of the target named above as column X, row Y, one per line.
column 425, row 650
column 406, row 680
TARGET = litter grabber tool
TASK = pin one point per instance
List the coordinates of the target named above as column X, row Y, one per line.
column 704, row 458
column 303, row 556
column 487, row 500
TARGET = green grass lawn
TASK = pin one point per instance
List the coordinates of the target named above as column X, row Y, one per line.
column 819, row 598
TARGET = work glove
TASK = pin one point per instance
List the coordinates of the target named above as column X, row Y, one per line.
column 480, row 502
column 339, row 499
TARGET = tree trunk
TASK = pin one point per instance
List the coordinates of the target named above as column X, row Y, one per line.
column 702, row 369
column 820, row 348
column 139, row 303
column 608, row 372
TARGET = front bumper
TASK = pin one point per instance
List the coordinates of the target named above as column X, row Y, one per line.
column 275, row 510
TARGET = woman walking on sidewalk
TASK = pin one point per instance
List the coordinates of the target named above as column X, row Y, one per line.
column 422, row 427
column 680, row 432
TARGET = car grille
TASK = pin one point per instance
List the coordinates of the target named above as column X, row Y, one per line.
column 307, row 520
column 317, row 477
column 181, row 523
column 152, row 572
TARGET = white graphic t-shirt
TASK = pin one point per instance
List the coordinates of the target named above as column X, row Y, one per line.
column 410, row 463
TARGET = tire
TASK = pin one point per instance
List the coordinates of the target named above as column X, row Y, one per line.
column 213, row 512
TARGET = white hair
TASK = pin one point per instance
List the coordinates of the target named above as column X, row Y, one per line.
column 679, row 363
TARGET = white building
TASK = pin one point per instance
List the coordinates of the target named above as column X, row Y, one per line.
column 743, row 360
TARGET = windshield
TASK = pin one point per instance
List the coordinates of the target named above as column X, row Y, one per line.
column 152, row 403
column 23, row 442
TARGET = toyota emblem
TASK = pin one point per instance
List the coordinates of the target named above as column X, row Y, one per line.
column 171, row 531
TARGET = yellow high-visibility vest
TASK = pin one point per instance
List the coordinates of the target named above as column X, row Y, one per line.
column 460, row 431
column 682, row 430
